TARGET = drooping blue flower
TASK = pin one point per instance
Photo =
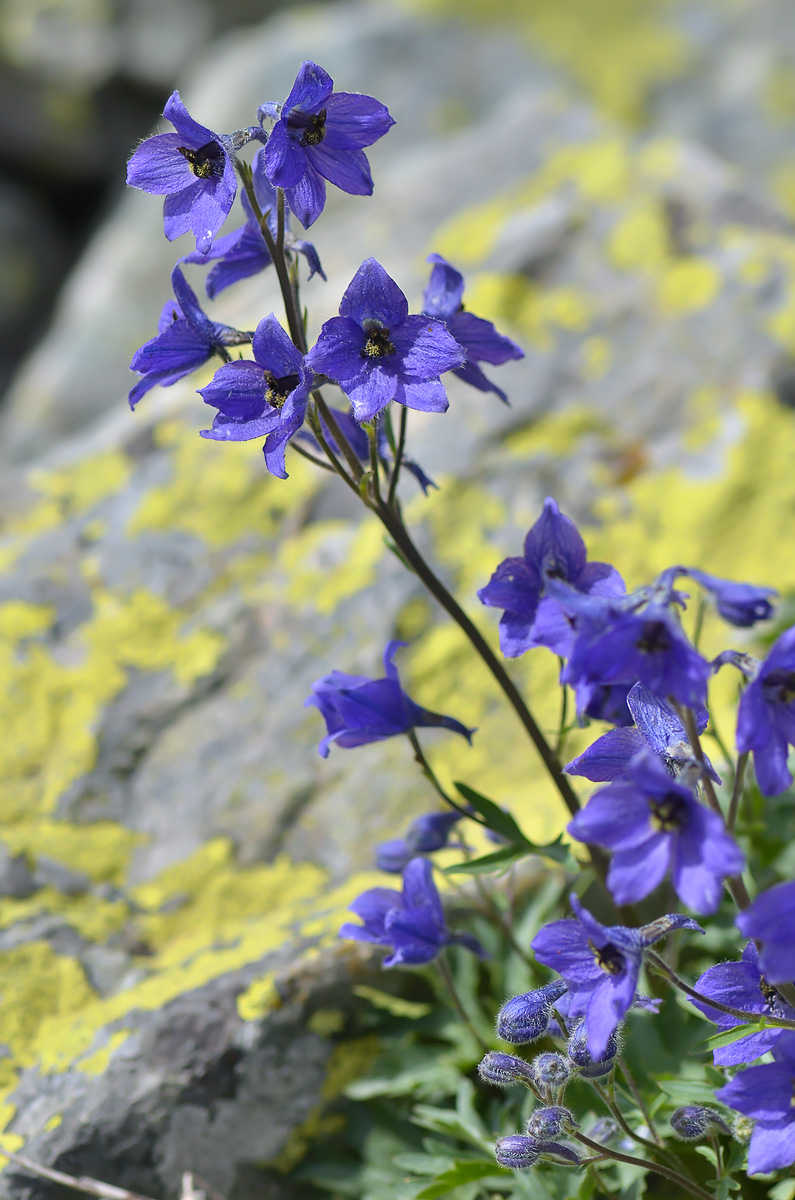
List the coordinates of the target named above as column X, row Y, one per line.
column 771, row 921
column 742, row 985
column 265, row 398
column 653, row 825
column 360, row 444
column 358, row 710
column 320, row 135
column 376, row 352
column 766, row 718
column 425, row 835
column 741, row 604
column 600, row 965
column 443, row 300
column 657, row 728
column 412, row 922
column 616, row 645
column 186, row 338
column 765, row 1094
column 193, row 169
column 553, row 549
column 243, row 252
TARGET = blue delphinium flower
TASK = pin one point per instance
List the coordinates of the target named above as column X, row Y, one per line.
column 358, row 710
column 504, row 1070
column 425, row 835
column 658, row 728
column 243, row 252
column 771, row 921
column 443, row 299
column 186, row 339
column 553, row 549
column 193, row 169
column 320, row 135
column 766, row 718
column 742, row 985
column 741, row 604
column 376, row 352
column 765, row 1094
column 412, row 922
column 265, row 398
column 653, row 825
column 600, row 965
column 616, row 645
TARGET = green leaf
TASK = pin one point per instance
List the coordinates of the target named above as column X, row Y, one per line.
column 687, row 1091
column 396, row 1006
column 785, row 1190
column 499, row 860
column 728, row 1036
column 501, row 822
column 460, row 1173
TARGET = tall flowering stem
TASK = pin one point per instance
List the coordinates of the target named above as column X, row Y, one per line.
column 662, row 967
column 674, row 1176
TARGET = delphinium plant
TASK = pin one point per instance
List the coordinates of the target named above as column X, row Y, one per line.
column 651, row 1044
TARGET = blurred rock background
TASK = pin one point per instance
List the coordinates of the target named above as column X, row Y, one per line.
column 616, row 180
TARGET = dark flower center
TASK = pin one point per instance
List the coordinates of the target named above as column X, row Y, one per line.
column 609, row 958
column 316, row 129
column 654, row 638
column 669, row 813
column 206, row 162
column 773, row 1001
column 779, row 687
column 279, row 389
column 555, row 570
column 378, row 344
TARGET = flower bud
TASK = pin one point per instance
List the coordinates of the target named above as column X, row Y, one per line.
column 505, row 1069
column 517, row 1152
column 550, row 1070
column 692, row 1122
column 525, row 1018
column 581, row 1058
column 603, row 1131
column 742, row 1128
column 547, row 1123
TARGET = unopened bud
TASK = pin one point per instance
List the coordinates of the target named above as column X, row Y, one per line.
column 525, row 1018
column 579, row 1054
column 517, row 1152
column 547, row 1123
column 504, row 1070
column 550, row 1070
column 693, row 1122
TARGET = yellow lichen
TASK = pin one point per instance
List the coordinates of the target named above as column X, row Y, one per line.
column 97, row 1063
column 258, row 999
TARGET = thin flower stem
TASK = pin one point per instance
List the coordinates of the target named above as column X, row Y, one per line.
column 564, row 706
column 427, row 770
column 324, row 466
column 491, row 904
column 658, row 1168
column 636, row 1096
column 372, row 435
column 699, row 625
column 662, row 967
column 336, row 465
column 452, row 991
column 735, row 884
column 401, row 444
column 737, row 791
column 618, row 1116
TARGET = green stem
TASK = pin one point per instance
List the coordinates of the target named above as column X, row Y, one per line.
column 662, row 967
column 658, row 1168
column 419, row 757
column 737, row 791
column 401, row 444
column 449, row 983
column 621, row 1120
column 636, row 1096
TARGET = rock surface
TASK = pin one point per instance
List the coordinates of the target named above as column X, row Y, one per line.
column 177, row 857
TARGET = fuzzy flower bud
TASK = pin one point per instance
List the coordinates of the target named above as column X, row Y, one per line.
column 547, row 1123
column 525, row 1018
column 503, row 1070
column 587, row 1066
column 517, row 1152
column 693, row 1122
column 550, row 1070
